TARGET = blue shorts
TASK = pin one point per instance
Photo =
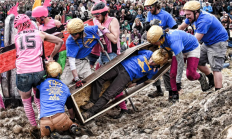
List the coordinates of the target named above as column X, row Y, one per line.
column 103, row 59
column 92, row 59
column 26, row 81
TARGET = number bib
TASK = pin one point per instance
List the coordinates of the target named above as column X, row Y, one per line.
column 29, row 51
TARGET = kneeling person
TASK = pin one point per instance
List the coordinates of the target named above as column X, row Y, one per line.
column 54, row 96
column 132, row 68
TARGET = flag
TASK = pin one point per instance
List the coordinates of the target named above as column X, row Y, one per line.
column 13, row 10
column 47, row 3
column 36, row 3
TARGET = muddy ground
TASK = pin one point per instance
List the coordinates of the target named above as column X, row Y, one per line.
column 198, row 115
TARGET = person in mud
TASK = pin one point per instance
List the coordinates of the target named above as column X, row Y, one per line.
column 166, row 21
column 78, row 45
column 109, row 26
column 40, row 13
column 54, row 95
column 185, row 47
column 29, row 63
column 209, row 30
column 132, row 68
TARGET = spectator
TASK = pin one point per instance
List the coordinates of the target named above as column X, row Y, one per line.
column 85, row 16
column 58, row 17
column 190, row 30
column 224, row 8
column 208, row 8
column 127, row 35
column 229, row 8
column 129, row 18
column 138, row 25
column 82, row 7
column 124, row 43
column 136, row 34
column 134, row 42
column 131, row 9
column 55, row 10
column 126, row 25
column 140, row 16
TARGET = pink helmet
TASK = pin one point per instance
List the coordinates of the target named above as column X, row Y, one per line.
column 20, row 19
column 40, row 11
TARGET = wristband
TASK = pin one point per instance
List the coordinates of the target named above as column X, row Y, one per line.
column 104, row 31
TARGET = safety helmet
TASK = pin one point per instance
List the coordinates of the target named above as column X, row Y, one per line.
column 150, row 2
column 75, row 26
column 20, row 19
column 192, row 6
column 40, row 11
column 160, row 56
column 99, row 8
column 154, row 34
column 54, row 69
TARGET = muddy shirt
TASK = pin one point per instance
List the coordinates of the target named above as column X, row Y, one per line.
column 76, row 49
column 137, row 66
column 53, row 95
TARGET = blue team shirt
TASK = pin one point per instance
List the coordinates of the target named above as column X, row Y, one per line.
column 79, row 51
column 211, row 27
column 166, row 20
column 53, row 96
column 179, row 41
column 137, row 66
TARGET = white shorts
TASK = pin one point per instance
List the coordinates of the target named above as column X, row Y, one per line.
column 194, row 53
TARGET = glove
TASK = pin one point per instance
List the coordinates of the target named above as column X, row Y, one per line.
column 79, row 83
column 154, row 22
column 178, row 85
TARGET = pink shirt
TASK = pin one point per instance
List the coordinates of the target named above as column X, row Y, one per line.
column 49, row 25
column 29, row 47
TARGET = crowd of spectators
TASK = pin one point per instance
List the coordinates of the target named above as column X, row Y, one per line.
column 130, row 14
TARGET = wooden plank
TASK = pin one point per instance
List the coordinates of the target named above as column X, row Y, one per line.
column 91, row 78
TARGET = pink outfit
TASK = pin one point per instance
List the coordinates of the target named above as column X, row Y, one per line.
column 191, row 71
column 36, row 100
column 29, row 111
column 108, row 42
column 49, row 25
column 1, row 103
column 29, row 49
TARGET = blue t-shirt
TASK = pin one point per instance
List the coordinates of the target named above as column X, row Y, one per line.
column 53, row 96
column 165, row 18
column 179, row 41
column 2, row 41
column 137, row 66
column 79, row 51
column 211, row 27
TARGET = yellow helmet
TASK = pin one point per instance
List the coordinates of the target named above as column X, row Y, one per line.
column 150, row 2
column 154, row 34
column 192, row 6
column 53, row 69
column 160, row 56
column 75, row 26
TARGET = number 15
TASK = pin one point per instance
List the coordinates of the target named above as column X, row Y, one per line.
column 30, row 42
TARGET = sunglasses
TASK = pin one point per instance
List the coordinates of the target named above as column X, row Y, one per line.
column 96, row 15
column 41, row 18
column 74, row 34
